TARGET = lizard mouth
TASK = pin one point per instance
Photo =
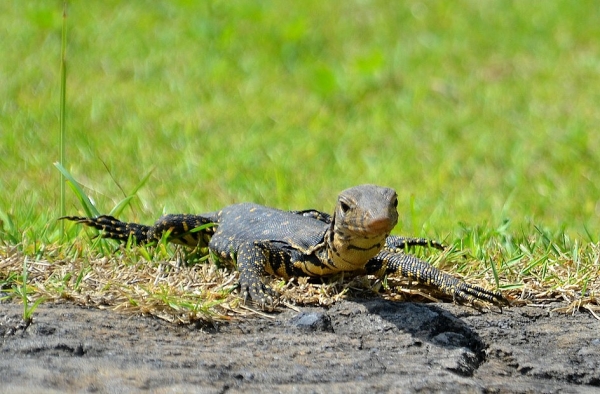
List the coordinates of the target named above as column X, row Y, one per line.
column 380, row 226
column 375, row 226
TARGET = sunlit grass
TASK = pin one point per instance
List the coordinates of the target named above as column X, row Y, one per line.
column 481, row 114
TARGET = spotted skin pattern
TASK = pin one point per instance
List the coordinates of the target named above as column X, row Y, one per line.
column 263, row 240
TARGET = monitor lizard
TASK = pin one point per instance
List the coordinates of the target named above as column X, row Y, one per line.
column 264, row 240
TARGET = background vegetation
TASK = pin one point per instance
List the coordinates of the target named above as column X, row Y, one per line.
column 474, row 111
column 483, row 115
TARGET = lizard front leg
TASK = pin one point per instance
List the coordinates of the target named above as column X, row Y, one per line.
column 254, row 262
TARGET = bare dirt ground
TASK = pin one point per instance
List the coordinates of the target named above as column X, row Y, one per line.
column 373, row 346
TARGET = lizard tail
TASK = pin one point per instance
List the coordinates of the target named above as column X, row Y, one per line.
column 113, row 228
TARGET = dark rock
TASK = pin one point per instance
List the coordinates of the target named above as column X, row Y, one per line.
column 312, row 321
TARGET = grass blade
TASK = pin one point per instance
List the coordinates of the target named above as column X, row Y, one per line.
column 87, row 205
column 118, row 209
column 63, row 114
column 8, row 229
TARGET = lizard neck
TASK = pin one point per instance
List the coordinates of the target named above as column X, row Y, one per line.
column 351, row 252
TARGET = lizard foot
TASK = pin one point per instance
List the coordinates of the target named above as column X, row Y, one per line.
column 260, row 294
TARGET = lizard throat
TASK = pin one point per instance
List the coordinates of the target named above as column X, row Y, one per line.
column 349, row 253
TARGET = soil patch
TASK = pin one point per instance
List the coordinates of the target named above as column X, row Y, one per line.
column 374, row 346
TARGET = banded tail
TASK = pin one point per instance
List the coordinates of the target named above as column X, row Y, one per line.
column 189, row 230
column 113, row 228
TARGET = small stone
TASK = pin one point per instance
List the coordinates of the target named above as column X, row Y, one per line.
column 312, row 321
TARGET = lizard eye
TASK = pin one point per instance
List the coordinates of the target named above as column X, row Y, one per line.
column 345, row 207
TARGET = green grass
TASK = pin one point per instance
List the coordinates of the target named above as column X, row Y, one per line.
column 482, row 115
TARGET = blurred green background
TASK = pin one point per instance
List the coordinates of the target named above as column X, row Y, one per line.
column 475, row 111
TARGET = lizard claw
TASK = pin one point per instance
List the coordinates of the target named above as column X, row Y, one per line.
column 472, row 293
column 260, row 294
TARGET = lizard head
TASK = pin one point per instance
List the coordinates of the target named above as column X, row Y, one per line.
column 364, row 217
column 367, row 210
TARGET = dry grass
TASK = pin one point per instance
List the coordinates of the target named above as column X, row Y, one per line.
column 170, row 290
column 165, row 290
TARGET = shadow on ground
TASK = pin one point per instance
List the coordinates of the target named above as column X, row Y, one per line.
column 373, row 346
